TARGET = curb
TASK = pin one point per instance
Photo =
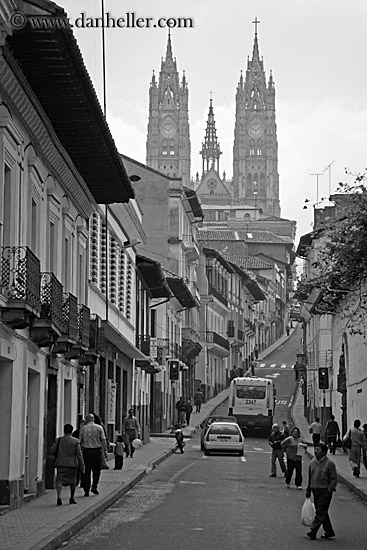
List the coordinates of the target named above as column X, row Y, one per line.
column 74, row 526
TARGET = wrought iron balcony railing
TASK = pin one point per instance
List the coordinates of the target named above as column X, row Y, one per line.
column 20, row 276
column 84, row 326
column 70, row 317
column 214, row 338
column 51, row 300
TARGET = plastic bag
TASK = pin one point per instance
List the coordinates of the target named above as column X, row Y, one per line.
column 307, row 512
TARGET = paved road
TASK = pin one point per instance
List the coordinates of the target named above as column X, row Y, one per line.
column 217, row 503
column 222, row 502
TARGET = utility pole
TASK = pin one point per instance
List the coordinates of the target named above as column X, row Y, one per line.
column 317, row 186
column 329, row 168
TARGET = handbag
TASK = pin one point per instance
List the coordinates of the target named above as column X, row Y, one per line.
column 347, row 442
column 307, row 512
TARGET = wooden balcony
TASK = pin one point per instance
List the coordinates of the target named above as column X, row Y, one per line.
column 96, row 341
column 217, row 343
column 20, row 284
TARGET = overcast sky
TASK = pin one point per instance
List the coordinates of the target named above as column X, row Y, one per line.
column 316, row 50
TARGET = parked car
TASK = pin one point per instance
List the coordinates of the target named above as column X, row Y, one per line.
column 224, row 437
column 208, row 421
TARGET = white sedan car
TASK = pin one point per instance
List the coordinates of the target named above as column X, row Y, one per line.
column 224, row 437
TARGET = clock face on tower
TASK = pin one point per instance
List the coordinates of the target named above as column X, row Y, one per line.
column 168, row 130
column 255, row 131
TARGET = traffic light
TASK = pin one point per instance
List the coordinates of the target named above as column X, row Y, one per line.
column 174, row 369
column 323, row 379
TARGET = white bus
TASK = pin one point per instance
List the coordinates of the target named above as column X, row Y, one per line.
column 252, row 402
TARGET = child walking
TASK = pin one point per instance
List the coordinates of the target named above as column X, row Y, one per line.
column 119, row 453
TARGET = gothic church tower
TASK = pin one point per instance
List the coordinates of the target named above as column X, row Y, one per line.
column 255, row 149
column 168, row 141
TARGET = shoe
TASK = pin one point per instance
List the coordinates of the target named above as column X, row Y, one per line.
column 299, row 488
column 272, row 475
column 72, row 501
column 59, row 502
column 311, row 535
column 288, row 486
column 328, row 535
column 94, row 491
column 131, row 456
column 127, row 454
column 86, row 493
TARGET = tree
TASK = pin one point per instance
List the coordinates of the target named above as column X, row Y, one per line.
column 339, row 267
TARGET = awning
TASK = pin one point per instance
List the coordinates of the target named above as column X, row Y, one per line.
column 120, row 341
column 152, row 273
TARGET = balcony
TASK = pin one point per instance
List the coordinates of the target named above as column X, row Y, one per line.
column 20, row 284
column 70, row 331
column 217, row 343
column 144, row 344
column 191, row 248
column 194, row 289
column 48, row 327
column 250, row 327
column 218, row 295
column 190, row 344
column 84, row 327
column 96, row 341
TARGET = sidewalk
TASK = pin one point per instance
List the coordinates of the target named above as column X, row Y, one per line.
column 356, row 484
column 41, row 525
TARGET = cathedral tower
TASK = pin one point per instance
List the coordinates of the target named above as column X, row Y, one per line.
column 255, row 149
column 168, row 141
column 210, row 151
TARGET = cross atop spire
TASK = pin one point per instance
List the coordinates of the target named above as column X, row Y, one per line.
column 256, row 22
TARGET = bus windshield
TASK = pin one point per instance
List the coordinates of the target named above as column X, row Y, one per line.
column 251, row 392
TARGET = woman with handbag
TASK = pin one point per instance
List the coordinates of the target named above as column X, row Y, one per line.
column 355, row 440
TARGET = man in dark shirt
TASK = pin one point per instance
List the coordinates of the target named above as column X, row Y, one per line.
column 332, row 433
column 322, row 480
column 275, row 439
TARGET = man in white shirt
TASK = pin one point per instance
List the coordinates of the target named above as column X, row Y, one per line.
column 93, row 443
column 316, row 430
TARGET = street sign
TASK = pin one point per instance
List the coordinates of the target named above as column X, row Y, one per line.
column 153, row 348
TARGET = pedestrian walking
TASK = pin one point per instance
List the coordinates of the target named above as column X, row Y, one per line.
column 286, row 429
column 287, row 329
column 332, row 434
column 357, row 443
column 322, row 480
column 256, row 352
column 198, row 400
column 181, row 411
column 94, row 446
column 130, row 431
column 188, row 411
column 76, row 434
column 252, row 367
column 294, row 445
column 118, row 452
column 179, row 437
column 275, row 440
column 316, row 430
column 68, row 455
column 364, row 450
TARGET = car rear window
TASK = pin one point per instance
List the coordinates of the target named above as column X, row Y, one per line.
column 224, row 429
column 251, row 392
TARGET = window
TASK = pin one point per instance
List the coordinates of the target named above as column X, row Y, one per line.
column 251, row 392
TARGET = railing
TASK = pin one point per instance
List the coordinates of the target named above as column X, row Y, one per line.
column 20, row 275
column 52, row 300
column 190, row 334
column 96, row 338
column 144, row 344
column 240, row 334
column 84, row 325
column 70, row 317
column 214, row 338
column 218, row 295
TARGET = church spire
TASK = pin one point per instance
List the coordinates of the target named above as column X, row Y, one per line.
column 169, row 55
column 210, row 151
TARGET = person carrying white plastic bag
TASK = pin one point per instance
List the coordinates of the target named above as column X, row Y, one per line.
column 322, row 481
column 307, row 512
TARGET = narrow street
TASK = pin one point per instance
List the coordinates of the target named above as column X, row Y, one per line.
column 219, row 502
